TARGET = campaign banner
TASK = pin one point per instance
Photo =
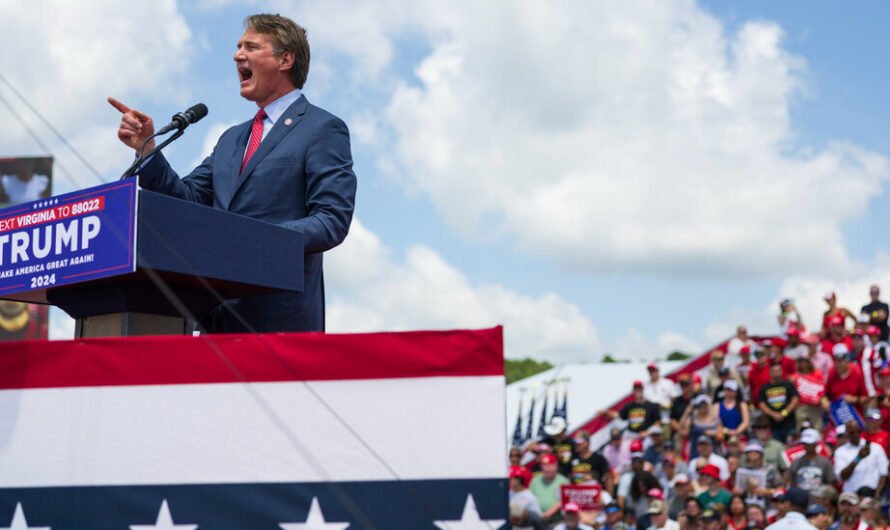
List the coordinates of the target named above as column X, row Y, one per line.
column 586, row 496
column 71, row 238
column 24, row 179
column 798, row 450
column 841, row 412
column 293, row 431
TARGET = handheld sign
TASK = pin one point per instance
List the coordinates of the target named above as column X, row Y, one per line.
column 586, row 496
column 841, row 412
column 67, row 239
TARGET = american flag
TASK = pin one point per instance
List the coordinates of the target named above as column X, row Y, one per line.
column 281, row 431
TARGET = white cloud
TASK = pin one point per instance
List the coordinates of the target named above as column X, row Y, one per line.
column 370, row 291
column 69, row 56
column 634, row 345
column 635, row 136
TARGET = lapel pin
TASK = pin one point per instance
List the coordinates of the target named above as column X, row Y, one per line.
column 288, row 121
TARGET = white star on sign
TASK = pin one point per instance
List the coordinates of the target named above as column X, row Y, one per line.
column 469, row 520
column 164, row 522
column 314, row 521
column 19, row 522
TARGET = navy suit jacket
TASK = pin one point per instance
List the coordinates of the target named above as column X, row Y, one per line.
column 301, row 178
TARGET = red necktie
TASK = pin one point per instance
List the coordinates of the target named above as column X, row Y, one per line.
column 256, row 136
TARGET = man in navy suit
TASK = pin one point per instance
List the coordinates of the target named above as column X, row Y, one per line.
column 291, row 165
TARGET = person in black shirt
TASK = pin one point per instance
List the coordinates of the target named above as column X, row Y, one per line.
column 777, row 401
column 586, row 459
column 639, row 413
column 681, row 402
column 877, row 311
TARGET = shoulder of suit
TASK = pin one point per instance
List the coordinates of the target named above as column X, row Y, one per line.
column 319, row 114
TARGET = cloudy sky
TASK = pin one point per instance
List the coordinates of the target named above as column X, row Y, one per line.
column 624, row 177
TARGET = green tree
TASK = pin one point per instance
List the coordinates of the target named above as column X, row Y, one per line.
column 516, row 369
column 678, row 356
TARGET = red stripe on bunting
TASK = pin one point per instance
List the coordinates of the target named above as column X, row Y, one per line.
column 250, row 358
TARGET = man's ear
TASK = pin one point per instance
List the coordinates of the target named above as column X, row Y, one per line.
column 286, row 60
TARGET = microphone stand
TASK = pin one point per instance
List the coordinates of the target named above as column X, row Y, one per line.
column 141, row 159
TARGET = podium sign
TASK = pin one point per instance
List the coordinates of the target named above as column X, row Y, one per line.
column 67, row 239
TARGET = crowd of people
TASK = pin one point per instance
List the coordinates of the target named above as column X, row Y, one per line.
column 786, row 431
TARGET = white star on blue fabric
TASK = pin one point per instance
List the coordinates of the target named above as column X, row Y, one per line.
column 470, row 519
column 19, row 522
column 314, row 521
column 164, row 522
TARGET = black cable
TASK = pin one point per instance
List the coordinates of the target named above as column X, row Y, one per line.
column 168, row 293
column 51, row 128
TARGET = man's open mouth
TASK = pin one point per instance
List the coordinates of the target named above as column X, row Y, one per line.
column 244, row 73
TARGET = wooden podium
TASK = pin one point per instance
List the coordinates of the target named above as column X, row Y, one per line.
column 188, row 258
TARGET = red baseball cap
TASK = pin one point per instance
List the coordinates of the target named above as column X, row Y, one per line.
column 696, row 378
column 636, row 446
column 652, row 366
column 655, row 493
column 521, row 472
column 571, row 507
column 884, row 372
column 638, row 384
column 873, row 330
column 710, row 470
column 548, row 458
column 745, row 349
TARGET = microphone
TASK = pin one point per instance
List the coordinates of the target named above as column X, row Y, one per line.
column 181, row 120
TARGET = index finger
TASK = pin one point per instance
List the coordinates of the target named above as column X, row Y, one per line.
column 118, row 105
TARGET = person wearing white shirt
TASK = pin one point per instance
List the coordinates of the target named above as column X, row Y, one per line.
column 657, row 389
column 860, row 462
column 734, row 348
column 707, row 456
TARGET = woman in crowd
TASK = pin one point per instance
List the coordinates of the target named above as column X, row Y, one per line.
column 700, row 419
column 756, row 515
column 737, row 518
column 871, row 514
column 731, row 411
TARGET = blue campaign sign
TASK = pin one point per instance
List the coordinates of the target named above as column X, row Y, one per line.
column 842, row 412
column 70, row 238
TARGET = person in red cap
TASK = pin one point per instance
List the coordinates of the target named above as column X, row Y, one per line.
column 877, row 311
column 657, row 389
column 822, row 361
column 524, row 507
column 545, row 487
column 834, row 315
column 810, row 386
column 845, row 380
column 571, row 514
column 714, row 493
column 639, row 414
column 835, row 333
column 795, row 349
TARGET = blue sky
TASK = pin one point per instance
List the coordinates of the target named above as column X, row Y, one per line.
column 598, row 178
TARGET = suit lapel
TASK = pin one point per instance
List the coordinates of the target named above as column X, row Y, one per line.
column 286, row 123
column 225, row 183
